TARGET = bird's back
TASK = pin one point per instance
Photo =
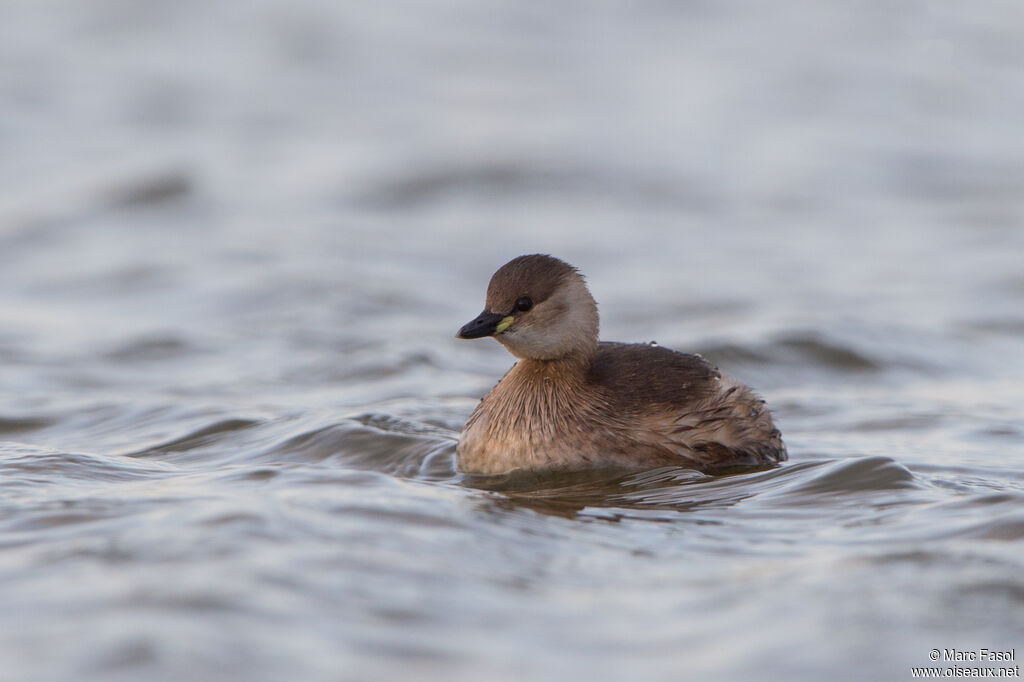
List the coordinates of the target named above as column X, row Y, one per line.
column 680, row 402
column 636, row 375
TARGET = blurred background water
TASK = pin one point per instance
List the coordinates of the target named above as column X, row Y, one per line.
column 236, row 240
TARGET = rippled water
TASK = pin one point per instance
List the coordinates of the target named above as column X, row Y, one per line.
column 236, row 242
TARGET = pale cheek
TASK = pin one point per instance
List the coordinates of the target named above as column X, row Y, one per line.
column 530, row 341
column 520, row 344
column 559, row 309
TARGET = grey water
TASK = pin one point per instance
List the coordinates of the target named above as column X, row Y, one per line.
column 236, row 241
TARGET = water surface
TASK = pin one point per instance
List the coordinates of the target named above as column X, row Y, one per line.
column 236, row 242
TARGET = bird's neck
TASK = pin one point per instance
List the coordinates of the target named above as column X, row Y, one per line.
column 547, row 391
column 569, row 371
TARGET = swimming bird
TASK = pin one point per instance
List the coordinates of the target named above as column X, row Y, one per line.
column 573, row 403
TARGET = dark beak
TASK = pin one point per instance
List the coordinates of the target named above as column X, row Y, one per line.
column 485, row 324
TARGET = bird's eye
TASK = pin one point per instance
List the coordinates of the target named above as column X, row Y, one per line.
column 524, row 304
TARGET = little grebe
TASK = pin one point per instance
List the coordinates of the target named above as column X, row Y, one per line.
column 573, row 403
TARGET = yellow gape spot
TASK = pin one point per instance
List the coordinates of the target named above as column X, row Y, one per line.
column 504, row 324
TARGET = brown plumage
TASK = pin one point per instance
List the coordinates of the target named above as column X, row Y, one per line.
column 572, row 403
